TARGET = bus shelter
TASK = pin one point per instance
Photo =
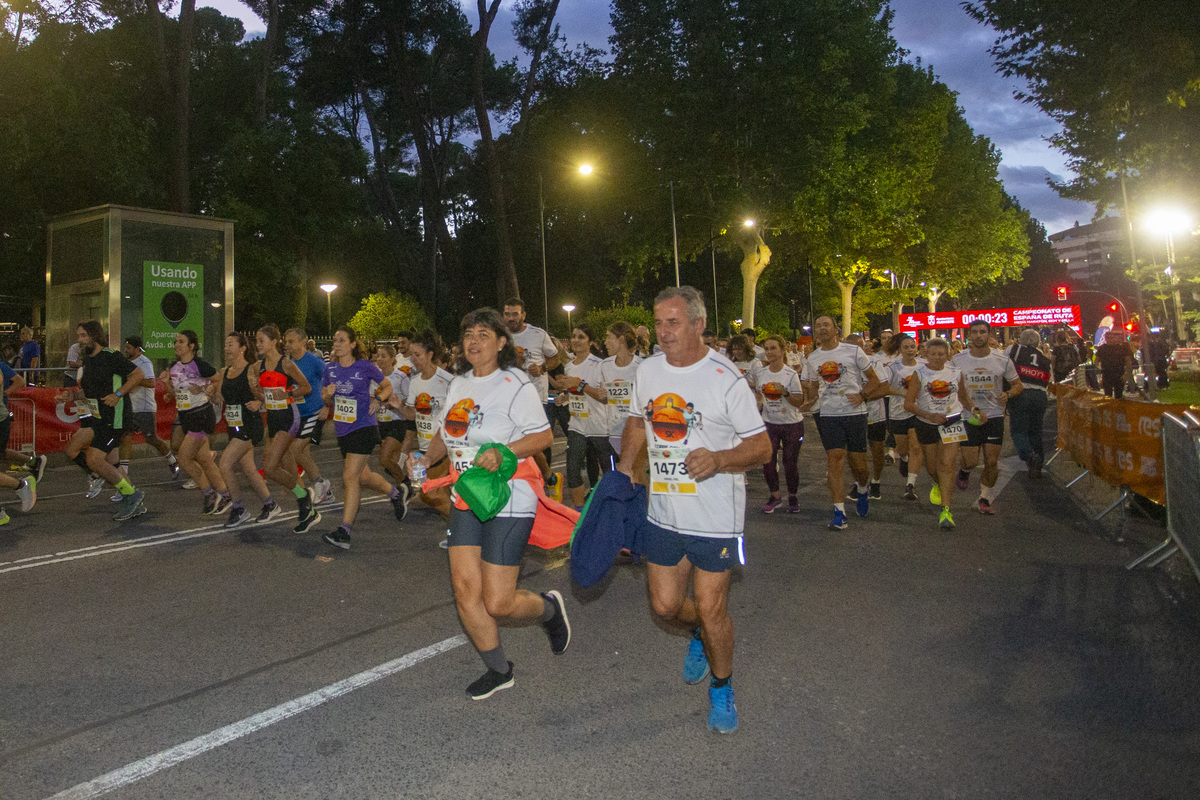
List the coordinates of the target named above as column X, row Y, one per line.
column 138, row 271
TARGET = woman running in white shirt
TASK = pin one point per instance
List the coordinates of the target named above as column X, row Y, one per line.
column 617, row 372
column 780, row 397
column 581, row 389
column 937, row 396
column 492, row 401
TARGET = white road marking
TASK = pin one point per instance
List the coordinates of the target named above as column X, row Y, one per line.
column 157, row 539
column 148, row 766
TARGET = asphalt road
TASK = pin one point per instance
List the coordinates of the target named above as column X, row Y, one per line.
column 166, row 658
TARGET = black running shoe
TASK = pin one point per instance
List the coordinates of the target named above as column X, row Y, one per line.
column 876, row 493
column 558, row 627
column 37, row 466
column 307, row 522
column 338, row 537
column 400, row 502
column 268, row 513
column 910, row 492
column 490, row 683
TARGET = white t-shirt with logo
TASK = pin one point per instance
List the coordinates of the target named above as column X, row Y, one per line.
column 404, row 364
column 706, row 405
column 939, row 390
column 399, row 382
column 839, row 372
column 774, row 386
column 501, row 407
column 876, row 409
column 534, row 346
column 142, row 397
column 898, row 377
column 588, row 415
column 749, row 369
column 427, row 398
column 985, row 378
column 618, row 383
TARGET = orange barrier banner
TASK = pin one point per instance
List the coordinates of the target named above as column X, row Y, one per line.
column 1119, row 441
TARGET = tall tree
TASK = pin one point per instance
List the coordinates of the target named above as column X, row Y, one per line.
column 506, row 273
column 1123, row 80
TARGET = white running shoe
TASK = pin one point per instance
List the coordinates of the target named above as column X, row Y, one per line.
column 323, row 490
column 190, row 484
column 95, row 487
column 27, row 491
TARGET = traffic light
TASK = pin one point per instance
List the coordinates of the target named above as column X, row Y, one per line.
column 1062, row 293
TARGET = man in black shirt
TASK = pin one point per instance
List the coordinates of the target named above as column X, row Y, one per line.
column 1116, row 364
column 105, row 381
column 1027, row 411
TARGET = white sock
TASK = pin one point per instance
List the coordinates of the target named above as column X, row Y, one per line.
column 862, row 488
column 839, row 507
column 912, row 479
column 986, row 492
column 904, row 459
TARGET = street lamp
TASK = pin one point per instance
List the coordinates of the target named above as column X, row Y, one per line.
column 1167, row 222
column 674, row 232
column 329, row 289
column 569, row 308
column 585, row 170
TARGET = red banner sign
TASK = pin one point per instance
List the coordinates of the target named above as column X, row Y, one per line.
column 1043, row 316
column 57, row 421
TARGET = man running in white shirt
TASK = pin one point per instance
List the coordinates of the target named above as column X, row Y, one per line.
column 841, row 374
column 538, row 356
column 984, row 371
column 701, row 430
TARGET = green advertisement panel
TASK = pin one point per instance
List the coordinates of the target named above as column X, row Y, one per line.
column 172, row 301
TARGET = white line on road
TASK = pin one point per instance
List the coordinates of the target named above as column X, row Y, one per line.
column 146, row 767
column 156, row 539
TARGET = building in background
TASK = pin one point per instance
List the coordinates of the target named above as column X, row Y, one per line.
column 1092, row 253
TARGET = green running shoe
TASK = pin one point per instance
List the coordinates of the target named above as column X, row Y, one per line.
column 946, row 521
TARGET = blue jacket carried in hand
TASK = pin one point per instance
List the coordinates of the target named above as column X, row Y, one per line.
column 614, row 518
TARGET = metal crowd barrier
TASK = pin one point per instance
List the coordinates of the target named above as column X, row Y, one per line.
column 23, row 433
column 1181, row 460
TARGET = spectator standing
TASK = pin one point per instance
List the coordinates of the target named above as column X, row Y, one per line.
column 31, row 356
column 71, row 373
column 1027, row 410
column 1116, row 364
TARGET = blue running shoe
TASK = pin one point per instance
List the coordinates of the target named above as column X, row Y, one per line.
column 695, row 664
column 723, row 716
column 839, row 521
column 863, row 504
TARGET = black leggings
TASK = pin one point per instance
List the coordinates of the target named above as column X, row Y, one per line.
column 594, row 452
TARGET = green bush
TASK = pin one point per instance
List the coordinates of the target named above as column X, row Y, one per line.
column 384, row 314
column 600, row 318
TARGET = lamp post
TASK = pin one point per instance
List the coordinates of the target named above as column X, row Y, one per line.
column 1167, row 222
column 674, row 232
column 329, row 289
column 585, row 170
column 569, row 308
